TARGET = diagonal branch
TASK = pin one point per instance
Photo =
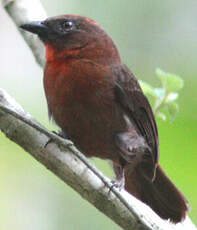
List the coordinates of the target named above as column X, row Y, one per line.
column 62, row 158
column 23, row 11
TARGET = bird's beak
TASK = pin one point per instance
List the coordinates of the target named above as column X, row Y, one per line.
column 36, row 27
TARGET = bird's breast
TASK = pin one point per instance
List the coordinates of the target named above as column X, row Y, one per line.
column 81, row 101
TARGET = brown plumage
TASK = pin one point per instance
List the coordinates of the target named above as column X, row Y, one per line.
column 98, row 103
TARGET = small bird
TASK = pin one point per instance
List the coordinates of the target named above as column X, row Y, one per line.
column 98, row 103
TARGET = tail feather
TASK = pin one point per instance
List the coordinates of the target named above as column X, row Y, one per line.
column 161, row 194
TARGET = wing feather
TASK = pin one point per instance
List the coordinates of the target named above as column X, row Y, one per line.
column 131, row 99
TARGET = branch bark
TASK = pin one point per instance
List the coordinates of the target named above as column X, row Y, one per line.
column 60, row 156
column 23, row 11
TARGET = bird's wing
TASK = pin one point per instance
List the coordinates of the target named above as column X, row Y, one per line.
column 130, row 98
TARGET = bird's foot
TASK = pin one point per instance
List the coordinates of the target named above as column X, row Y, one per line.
column 119, row 184
column 60, row 134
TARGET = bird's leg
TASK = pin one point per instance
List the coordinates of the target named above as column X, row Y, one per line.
column 120, row 177
column 61, row 134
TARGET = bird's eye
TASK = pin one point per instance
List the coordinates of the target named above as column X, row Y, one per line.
column 67, row 25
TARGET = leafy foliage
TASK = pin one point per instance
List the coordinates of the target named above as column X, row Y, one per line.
column 164, row 98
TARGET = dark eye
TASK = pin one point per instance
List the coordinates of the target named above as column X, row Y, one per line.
column 67, row 26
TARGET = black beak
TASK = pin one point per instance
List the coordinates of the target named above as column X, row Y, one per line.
column 37, row 27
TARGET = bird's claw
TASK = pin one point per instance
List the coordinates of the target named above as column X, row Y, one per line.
column 119, row 184
column 60, row 134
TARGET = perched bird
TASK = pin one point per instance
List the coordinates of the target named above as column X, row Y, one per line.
column 98, row 103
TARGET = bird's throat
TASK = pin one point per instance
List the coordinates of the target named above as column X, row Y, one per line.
column 54, row 54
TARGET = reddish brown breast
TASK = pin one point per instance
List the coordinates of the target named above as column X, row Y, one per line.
column 81, row 101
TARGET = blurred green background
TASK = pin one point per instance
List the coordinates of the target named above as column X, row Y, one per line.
column 149, row 34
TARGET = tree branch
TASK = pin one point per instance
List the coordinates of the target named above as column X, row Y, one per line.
column 23, row 11
column 60, row 156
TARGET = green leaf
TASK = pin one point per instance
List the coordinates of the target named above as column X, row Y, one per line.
column 171, row 82
column 171, row 97
column 147, row 89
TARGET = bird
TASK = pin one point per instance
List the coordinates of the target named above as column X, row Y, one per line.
column 98, row 103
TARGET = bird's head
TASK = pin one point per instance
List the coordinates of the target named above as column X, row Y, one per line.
column 74, row 35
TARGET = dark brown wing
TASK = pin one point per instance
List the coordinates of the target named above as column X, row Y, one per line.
column 131, row 99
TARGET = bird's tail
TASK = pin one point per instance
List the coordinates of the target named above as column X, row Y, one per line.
column 161, row 194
